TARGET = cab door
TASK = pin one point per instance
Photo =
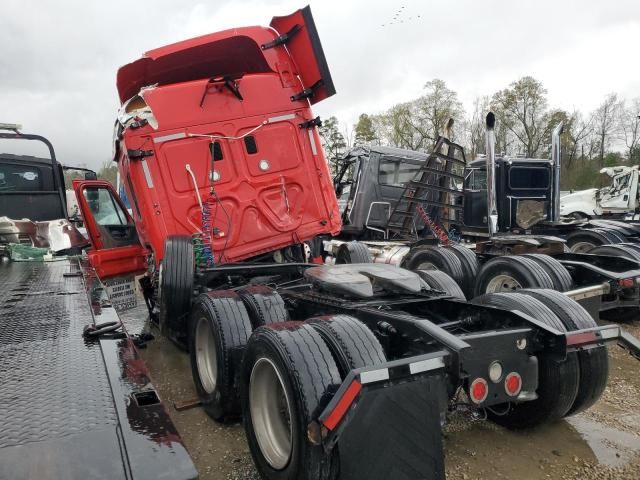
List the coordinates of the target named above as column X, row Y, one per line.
column 116, row 249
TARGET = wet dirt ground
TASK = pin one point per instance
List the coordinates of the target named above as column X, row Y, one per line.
column 602, row 443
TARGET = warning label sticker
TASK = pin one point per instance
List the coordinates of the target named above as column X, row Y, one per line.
column 122, row 292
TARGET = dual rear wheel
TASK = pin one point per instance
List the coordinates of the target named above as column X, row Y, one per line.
column 248, row 358
column 565, row 386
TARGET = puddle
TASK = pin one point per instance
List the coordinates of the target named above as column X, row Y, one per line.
column 611, row 447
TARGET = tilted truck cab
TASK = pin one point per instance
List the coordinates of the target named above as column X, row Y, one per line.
column 216, row 139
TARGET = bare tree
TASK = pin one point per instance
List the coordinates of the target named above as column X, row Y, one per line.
column 475, row 126
column 349, row 136
column 606, row 123
column 630, row 125
column 522, row 110
column 577, row 131
column 436, row 107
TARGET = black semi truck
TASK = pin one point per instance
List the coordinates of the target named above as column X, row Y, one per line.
column 420, row 211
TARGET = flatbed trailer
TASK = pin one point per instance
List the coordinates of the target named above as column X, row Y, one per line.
column 72, row 405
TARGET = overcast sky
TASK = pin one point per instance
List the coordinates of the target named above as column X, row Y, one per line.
column 59, row 57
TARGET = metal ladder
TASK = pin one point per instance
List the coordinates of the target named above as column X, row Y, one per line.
column 433, row 189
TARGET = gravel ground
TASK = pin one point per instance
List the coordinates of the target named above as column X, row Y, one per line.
column 602, row 443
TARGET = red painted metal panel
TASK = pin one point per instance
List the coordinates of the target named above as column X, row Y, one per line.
column 307, row 53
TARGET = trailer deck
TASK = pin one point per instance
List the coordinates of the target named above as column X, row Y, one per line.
column 72, row 407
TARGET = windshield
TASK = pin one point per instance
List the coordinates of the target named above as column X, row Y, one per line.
column 620, row 182
column 396, row 171
column 475, row 179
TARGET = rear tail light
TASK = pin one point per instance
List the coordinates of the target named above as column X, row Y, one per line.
column 479, row 390
column 626, row 282
column 513, row 384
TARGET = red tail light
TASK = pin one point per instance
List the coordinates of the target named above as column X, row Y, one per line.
column 626, row 282
column 513, row 384
column 479, row 390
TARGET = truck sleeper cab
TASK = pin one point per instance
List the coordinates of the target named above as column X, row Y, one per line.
column 216, row 139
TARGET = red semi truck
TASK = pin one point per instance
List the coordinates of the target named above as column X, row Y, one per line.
column 338, row 371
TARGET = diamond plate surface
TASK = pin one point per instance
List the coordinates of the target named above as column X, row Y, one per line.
column 52, row 384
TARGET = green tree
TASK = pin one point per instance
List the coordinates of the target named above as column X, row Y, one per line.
column 416, row 125
column 332, row 141
column 522, row 110
column 365, row 131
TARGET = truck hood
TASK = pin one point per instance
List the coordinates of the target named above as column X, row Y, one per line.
column 583, row 201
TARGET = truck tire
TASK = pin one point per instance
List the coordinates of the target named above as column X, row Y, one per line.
column 511, row 273
column 612, row 235
column 582, row 241
column 619, row 250
column 263, row 304
column 560, row 276
column 220, row 328
column 434, row 258
column 616, row 234
column 632, row 246
column 470, row 267
column 353, row 252
column 441, row 281
column 625, row 250
column 176, row 288
column 557, row 380
column 287, row 372
column 350, row 342
column 594, row 362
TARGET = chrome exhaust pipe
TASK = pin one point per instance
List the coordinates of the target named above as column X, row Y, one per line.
column 492, row 209
column 556, row 156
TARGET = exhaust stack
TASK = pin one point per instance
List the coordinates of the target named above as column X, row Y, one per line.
column 556, row 155
column 492, row 210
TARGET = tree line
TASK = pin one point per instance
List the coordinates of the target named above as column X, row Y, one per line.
column 609, row 135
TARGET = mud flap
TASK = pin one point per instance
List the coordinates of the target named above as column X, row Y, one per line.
column 392, row 427
column 592, row 305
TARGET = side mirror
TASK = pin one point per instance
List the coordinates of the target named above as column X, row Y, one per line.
column 90, row 176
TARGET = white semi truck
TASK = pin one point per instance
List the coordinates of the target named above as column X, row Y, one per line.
column 620, row 198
